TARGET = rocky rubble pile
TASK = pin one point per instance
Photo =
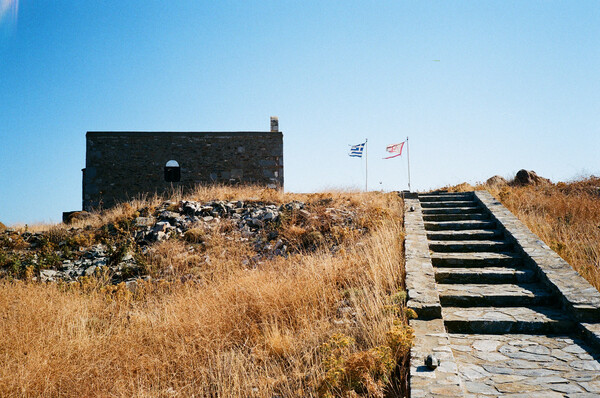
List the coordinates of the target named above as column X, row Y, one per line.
column 254, row 221
column 92, row 263
column 169, row 222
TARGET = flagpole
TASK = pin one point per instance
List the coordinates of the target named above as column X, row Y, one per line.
column 408, row 159
column 366, row 166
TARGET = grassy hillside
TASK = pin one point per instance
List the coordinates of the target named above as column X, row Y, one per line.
column 235, row 292
column 240, row 292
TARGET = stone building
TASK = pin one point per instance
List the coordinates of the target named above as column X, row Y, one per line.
column 122, row 165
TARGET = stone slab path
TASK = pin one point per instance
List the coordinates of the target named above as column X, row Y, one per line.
column 525, row 366
column 504, row 314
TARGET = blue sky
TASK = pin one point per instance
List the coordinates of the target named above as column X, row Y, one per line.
column 517, row 85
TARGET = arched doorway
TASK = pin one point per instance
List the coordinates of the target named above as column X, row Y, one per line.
column 172, row 171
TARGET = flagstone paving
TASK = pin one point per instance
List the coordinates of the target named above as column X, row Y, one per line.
column 505, row 315
column 525, row 365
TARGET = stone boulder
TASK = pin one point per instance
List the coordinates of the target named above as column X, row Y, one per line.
column 529, row 177
column 72, row 217
column 496, row 181
column 2, row 227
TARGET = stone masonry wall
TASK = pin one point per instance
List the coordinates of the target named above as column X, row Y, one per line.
column 123, row 165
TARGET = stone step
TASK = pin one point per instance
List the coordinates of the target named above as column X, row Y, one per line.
column 465, row 246
column 444, row 192
column 500, row 295
column 492, row 320
column 449, row 197
column 465, row 203
column 479, row 259
column 455, row 217
column 452, row 210
column 458, row 225
column 469, row 234
column 485, row 275
column 591, row 332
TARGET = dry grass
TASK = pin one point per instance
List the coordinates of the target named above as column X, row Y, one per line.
column 319, row 322
column 201, row 194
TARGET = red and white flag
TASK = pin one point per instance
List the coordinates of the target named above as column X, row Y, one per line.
column 395, row 148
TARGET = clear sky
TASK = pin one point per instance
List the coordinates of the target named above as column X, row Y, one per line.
column 481, row 88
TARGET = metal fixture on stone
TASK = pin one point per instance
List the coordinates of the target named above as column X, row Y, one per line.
column 432, row 361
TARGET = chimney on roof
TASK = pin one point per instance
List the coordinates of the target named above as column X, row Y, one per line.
column 274, row 124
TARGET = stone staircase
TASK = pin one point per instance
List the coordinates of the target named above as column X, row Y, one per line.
column 495, row 304
column 484, row 286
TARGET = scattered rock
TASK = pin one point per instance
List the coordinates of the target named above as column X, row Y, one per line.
column 2, row 227
column 77, row 216
column 268, row 216
column 161, row 226
column 48, row 275
column 529, row 177
column 160, row 236
column 170, row 216
column 144, row 221
column 496, row 181
column 190, row 208
column 100, row 262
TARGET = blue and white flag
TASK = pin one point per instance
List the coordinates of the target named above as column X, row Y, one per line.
column 356, row 151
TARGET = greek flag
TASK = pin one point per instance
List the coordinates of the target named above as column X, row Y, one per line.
column 356, row 151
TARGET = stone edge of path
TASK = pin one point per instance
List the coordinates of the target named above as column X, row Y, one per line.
column 423, row 297
column 578, row 296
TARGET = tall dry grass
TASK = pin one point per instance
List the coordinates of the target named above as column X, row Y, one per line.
column 207, row 193
column 564, row 215
column 315, row 323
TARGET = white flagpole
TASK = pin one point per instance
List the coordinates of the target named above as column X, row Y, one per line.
column 366, row 167
column 408, row 159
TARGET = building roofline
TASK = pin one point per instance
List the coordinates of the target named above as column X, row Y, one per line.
column 189, row 133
